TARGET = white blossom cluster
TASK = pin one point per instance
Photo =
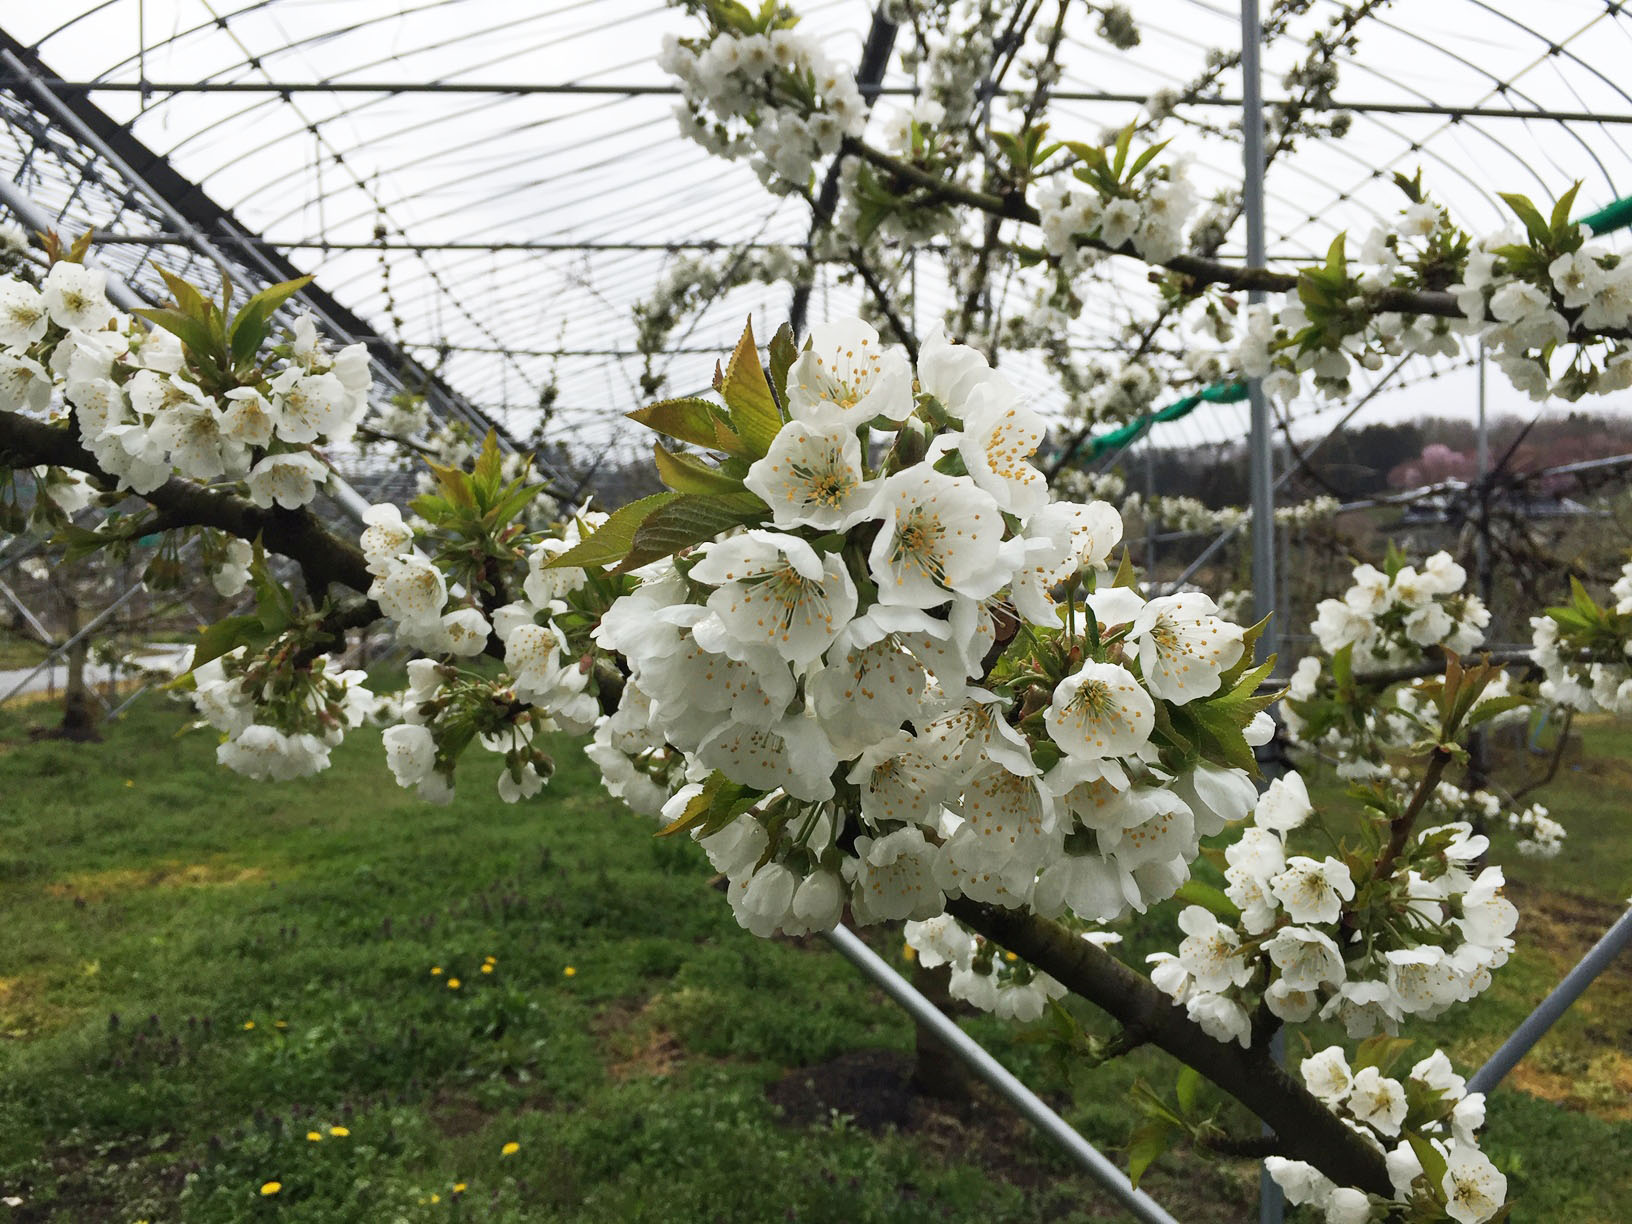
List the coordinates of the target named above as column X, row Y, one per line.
column 1148, row 212
column 831, row 666
column 278, row 722
column 1431, row 1104
column 145, row 418
column 1310, row 937
column 773, row 98
column 1586, row 661
column 1179, row 513
column 1524, row 317
column 541, row 688
column 982, row 975
column 1387, row 619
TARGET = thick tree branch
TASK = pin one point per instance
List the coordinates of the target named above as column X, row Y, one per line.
column 324, row 558
column 1307, row 1129
column 1198, row 269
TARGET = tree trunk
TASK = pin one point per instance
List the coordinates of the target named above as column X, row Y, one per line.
column 936, row 1071
column 78, row 707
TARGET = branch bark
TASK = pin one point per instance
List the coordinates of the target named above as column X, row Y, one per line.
column 1307, row 1130
column 324, row 558
column 1200, row 270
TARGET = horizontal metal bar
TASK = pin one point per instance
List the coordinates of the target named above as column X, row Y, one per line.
column 1139, row 1204
column 698, row 244
column 634, row 89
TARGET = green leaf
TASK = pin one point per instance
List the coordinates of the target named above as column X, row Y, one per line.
column 1124, row 141
column 188, row 299
column 1220, row 737
column 1143, row 160
column 610, row 542
column 1541, row 234
column 783, row 353
column 1583, row 602
column 691, row 420
column 487, row 474
column 1562, row 210
column 688, row 474
column 274, row 602
column 1381, row 1052
column 192, row 333
column 1146, row 1144
column 1433, row 1164
column 1194, row 892
column 252, row 323
column 225, row 635
column 1125, row 575
column 1185, row 1090
column 686, row 520
column 1486, row 710
column 754, row 414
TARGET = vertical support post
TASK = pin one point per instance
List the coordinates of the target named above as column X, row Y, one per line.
column 1271, row 1206
column 1478, row 747
column 1261, row 471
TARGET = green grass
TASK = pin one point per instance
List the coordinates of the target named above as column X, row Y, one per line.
column 157, row 906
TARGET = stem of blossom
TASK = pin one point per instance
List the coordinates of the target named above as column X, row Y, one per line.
column 1400, row 827
column 1309, row 1131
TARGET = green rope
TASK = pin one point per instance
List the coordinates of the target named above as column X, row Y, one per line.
column 1605, row 221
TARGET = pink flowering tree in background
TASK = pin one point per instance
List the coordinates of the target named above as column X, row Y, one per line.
column 862, row 650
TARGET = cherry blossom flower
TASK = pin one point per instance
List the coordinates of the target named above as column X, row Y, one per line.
column 1100, row 711
column 812, row 477
column 845, row 377
column 942, row 535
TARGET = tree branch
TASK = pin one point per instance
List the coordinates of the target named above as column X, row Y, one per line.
column 1200, row 270
column 324, row 558
column 1308, row 1130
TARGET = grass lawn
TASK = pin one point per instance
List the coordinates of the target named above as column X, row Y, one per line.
column 209, row 984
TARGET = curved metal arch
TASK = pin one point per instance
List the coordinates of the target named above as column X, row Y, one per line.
column 525, row 159
column 1504, row 88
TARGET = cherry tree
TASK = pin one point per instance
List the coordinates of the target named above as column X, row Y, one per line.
column 866, row 656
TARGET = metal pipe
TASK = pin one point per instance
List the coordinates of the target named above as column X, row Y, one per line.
column 1535, row 1025
column 345, row 496
column 1099, row 1167
column 90, row 627
column 1261, row 467
column 1262, row 460
column 643, row 89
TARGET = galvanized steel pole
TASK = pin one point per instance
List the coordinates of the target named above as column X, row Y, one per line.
column 1535, row 1025
column 1139, row 1204
column 1261, row 470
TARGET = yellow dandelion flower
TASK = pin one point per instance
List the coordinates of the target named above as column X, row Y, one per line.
column 268, row 1189
column 487, row 968
column 130, row 781
column 1010, row 956
column 492, row 960
column 569, row 971
column 453, row 983
column 314, row 1136
column 248, row 1024
column 458, row 1187
column 339, row 1132
column 436, row 1198
column 436, row 970
column 510, row 1149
